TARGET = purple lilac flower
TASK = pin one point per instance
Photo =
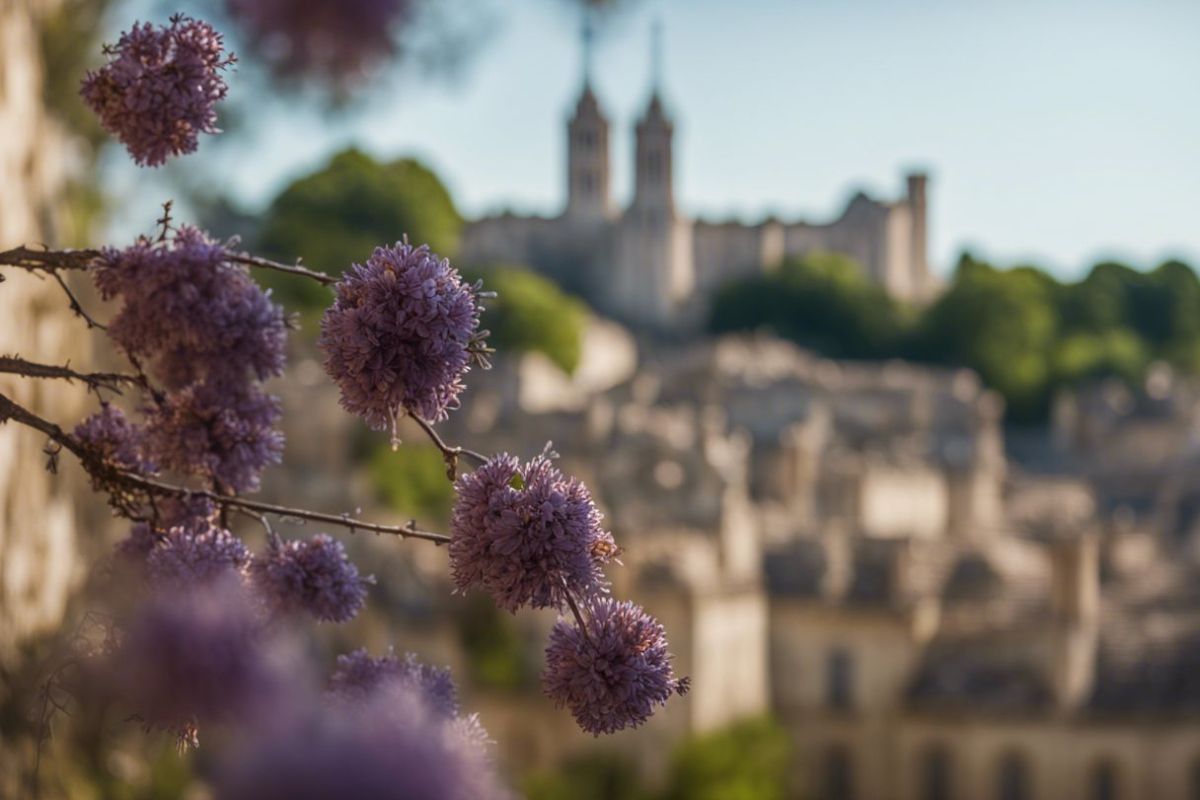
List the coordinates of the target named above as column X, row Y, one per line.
column 191, row 510
column 115, row 439
column 194, row 553
column 392, row 748
column 336, row 40
column 613, row 674
column 195, row 655
column 398, row 335
column 224, row 434
column 527, row 535
column 190, row 312
column 160, row 88
column 313, row 576
column 358, row 676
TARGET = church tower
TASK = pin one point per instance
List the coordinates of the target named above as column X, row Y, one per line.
column 587, row 149
column 654, row 274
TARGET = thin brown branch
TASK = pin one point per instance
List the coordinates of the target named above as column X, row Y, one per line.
column 578, row 615
column 76, row 306
column 450, row 453
column 10, row 410
column 94, row 380
column 294, row 269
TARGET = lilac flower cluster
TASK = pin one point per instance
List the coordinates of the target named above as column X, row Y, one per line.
column 196, row 552
column 209, row 334
column 399, row 335
column 313, row 576
column 530, row 536
column 115, row 440
column 223, row 433
column 527, row 535
column 160, row 87
column 359, row 676
column 392, row 748
column 191, row 312
column 334, row 40
column 612, row 672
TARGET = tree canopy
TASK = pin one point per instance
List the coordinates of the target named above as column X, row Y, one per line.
column 339, row 214
column 1025, row 332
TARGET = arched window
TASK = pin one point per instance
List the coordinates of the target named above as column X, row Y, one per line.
column 1013, row 780
column 935, row 773
column 839, row 680
column 839, row 774
column 1104, row 781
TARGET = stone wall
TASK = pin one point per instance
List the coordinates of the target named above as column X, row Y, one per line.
column 39, row 564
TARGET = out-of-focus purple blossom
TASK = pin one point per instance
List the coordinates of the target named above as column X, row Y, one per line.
column 190, row 312
column 399, row 335
column 358, row 676
column 391, row 748
column 115, row 440
column 527, row 535
column 339, row 41
column 224, row 434
column 195, row 553
column 313, row 576
column 195, row 654
column 159, row 90
column 613, row 674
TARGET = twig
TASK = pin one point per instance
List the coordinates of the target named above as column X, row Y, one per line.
column 575, row 610
column 117, row 478
column 94, row 380
column 450, row 453
column 76, row 306
column 295, row 269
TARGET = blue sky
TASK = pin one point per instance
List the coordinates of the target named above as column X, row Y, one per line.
column 1055, row 131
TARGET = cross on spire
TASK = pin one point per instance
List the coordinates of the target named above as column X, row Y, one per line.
column 588, row 36
column 656, row 65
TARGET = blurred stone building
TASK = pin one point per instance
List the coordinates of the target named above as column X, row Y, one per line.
column 651, row 266
column 846, row 546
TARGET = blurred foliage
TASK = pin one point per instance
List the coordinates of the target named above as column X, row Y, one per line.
column 1026, row 333
column 339, row 214
column 411, row 480
column 594, row 776
column 531, row 314
column 497, row 654
column 822, row 301
column 747, row 761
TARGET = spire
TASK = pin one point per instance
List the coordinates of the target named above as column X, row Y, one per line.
column 588, row 36
column 656, row 65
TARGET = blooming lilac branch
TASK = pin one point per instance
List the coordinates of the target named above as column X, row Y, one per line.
column 49, row 261
column 116, row 479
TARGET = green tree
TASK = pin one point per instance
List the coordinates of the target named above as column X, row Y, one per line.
column 746, row 761
column 530, row 313
column 599, row 775
column 498, row 656
column 1003, row 324
column 822, row 301
column 339, row 214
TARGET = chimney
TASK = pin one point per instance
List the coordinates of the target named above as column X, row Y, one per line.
column 1075, row 597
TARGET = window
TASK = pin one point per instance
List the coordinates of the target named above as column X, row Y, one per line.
column 1104, row 781
column 839, row 776
column 1014, row 778
column 935, row 774
column 839, row 680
